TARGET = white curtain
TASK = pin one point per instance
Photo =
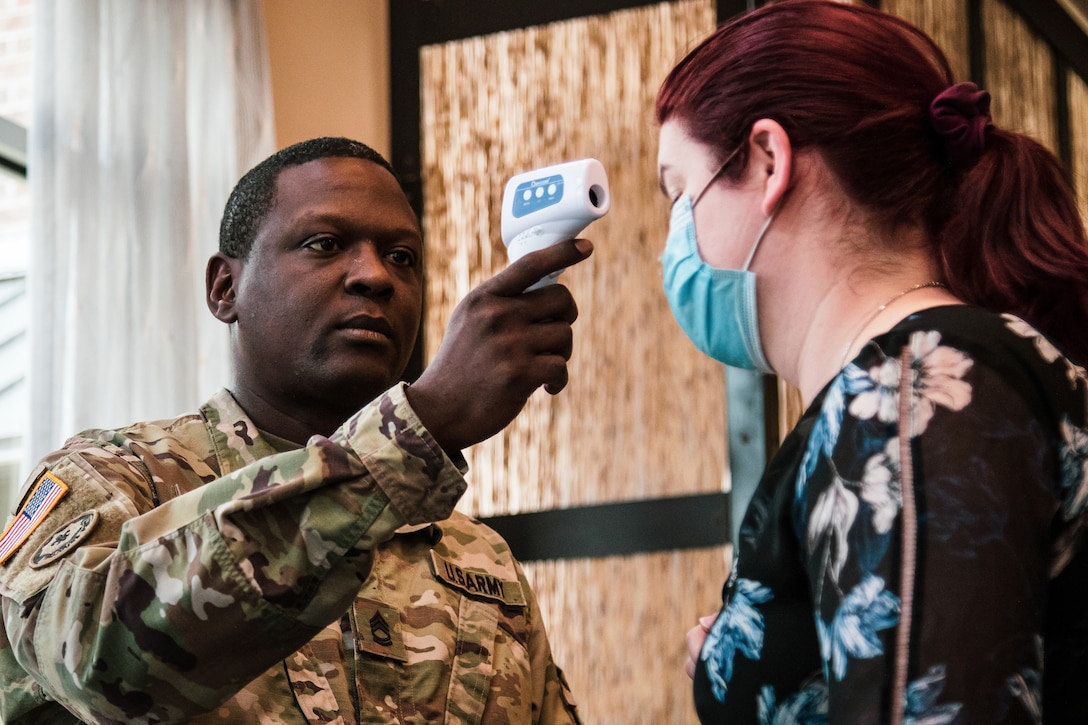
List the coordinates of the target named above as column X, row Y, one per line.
column 146, row 114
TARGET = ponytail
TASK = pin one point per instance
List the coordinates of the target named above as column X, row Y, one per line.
column 1013, row 240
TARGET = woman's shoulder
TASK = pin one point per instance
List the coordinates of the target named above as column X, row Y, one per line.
column 985, row 335
column 963, row 337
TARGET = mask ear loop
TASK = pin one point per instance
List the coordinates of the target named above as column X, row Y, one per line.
column 759, row 238
column 763, row 229
column 715, row 176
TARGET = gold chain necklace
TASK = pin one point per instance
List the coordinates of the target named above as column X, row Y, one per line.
column 878, row 310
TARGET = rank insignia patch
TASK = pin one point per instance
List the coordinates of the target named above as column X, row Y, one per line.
column 65, row 539
column 381, row 634
column 45, row 494
column 379, row 629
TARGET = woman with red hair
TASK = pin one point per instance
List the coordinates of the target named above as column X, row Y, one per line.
column 846, row 215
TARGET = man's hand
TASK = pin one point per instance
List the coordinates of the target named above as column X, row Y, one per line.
column 502, row 343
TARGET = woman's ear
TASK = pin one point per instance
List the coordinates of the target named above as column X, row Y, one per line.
column 772, row 158
column 220, row 282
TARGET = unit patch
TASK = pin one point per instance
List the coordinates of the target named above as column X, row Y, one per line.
column 478, row 582
column 65, row 539
column 41, row 499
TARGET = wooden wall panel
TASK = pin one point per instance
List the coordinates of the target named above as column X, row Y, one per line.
column 1078, row 123
column 617, row 628
column 943, row 20
column 1019, row 74
column 644, row 413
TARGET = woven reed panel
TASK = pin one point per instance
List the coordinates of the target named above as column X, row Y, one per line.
column 943, row 20
column 1019, row 74
column 617, row 629
column 1078, row 122
column 644, row 413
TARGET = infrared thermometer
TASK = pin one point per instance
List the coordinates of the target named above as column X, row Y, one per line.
column 550, row 204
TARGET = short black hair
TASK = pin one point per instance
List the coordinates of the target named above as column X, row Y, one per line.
column 252, row 196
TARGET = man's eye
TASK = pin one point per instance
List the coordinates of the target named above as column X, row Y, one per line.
column 402, row 257
column 322, row 244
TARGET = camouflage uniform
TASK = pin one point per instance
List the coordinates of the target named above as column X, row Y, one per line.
column 189, row 568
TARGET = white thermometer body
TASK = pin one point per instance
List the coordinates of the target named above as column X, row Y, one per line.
column 550, row 204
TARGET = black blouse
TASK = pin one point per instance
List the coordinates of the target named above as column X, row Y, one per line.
column 848, row 600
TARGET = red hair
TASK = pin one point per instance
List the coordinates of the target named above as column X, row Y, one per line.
column 856, row 84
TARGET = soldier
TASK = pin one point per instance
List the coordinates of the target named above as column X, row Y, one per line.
column 290, row 553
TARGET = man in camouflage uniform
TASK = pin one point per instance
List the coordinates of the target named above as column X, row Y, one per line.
column 290, row 553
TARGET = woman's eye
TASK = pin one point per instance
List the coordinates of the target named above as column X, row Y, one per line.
column 671, row 194
column 672, row 205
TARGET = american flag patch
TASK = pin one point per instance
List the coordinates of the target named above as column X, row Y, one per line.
column 46, row 492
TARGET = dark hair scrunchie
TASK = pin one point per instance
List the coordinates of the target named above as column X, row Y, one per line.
column 960, row 115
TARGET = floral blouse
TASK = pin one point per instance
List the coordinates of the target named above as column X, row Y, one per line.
column 921, row 553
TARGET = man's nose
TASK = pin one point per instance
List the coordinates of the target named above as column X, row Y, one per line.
column 365, row 271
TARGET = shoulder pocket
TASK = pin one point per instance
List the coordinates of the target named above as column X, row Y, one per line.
column 88, row 513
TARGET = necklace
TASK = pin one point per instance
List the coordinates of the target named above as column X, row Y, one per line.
column 878, row 310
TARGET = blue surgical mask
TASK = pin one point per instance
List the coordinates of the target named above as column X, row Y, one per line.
column 716, row 308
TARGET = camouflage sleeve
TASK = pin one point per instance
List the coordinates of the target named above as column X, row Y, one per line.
column 553, row 703
column 169, row 612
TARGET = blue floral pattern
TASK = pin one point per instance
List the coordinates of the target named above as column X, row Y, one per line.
column 922, row 707
column 853, row 632
column 935, row 380
column 998, row 445
column 806, row 707
column 739, row 628
column 1074, row 452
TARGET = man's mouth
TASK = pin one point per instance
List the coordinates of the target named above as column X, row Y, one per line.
column 367, row 327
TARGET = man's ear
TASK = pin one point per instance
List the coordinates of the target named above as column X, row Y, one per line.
column 221, row 282
column 772, row 157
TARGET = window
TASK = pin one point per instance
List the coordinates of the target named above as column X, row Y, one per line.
column 15, row 111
